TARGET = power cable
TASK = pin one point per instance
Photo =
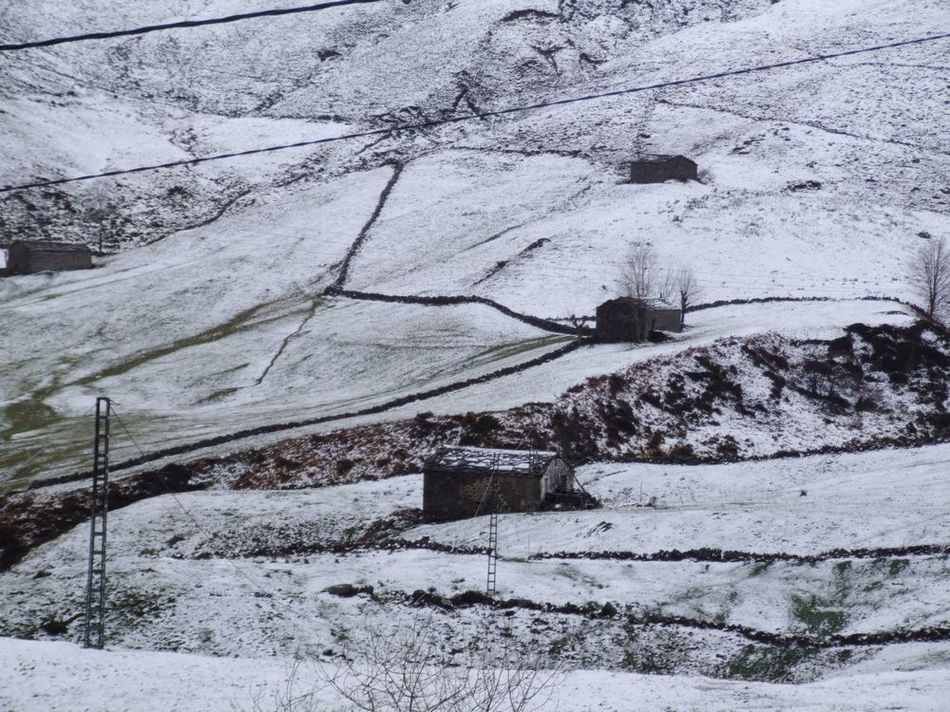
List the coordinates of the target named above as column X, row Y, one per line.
column 194, row 520
column 16, row 47
column 553, row 103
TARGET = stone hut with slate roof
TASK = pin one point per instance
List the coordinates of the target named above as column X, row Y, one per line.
column 28, row 257
column 659, row 168
column 459, row 482
column 630, row 319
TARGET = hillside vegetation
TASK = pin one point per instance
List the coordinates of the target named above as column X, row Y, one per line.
column 287, row 336
column 816, row 180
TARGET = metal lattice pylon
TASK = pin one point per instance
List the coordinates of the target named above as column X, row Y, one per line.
column 94, row 632
column 491, row 497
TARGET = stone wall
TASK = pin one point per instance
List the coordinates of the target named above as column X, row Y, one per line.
column 457, row 495
column 24, row 258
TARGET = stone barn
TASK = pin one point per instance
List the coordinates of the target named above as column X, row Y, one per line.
column 458, row 481
column 630, row 319
column 28, row 257
column 656, row 169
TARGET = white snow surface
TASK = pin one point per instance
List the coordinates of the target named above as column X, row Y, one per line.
column 61, row 677
column 215, row 572
column 816, row 180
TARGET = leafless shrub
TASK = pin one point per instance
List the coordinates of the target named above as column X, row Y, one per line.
column 687, row 288
column 641, row 276
column 408, row 672
column 287, row 696
column 930, row 278
column 577, row 322
column 104, row 212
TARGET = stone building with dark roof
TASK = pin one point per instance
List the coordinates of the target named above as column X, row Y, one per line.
column 29, row 257
column 631, row 319
column 461, row 482
column 659, row 168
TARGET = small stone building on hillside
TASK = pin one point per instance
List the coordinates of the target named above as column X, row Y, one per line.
column 461, row 482
column 630, row 319
column 29, row 257
column 659, row 168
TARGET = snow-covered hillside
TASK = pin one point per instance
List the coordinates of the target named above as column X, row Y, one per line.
column 55, row 677
column 300, row 573
column 291, row 333
column 815, row 181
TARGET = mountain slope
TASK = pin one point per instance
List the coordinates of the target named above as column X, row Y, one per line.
column 816, row 181
column 323, row 317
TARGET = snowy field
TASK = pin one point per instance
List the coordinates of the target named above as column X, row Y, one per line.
column 208, row 315
column 61, row 677
column 227, row 573
column 427, row 347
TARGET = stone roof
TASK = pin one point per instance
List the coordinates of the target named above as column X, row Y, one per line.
column 478, row 460
column 654, row 303
column 658, row 158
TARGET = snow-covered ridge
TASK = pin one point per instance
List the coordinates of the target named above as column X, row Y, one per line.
column 210, row 315
column 738, row 398
column 815, row 182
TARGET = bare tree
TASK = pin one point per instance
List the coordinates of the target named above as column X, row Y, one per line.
column 286, row 697
column 930, row 278
column 641, row 276
column 578, row 323
column 641, row 135
column 688, row 289
column 643, row 279
column 408, row 672
column 104, row 211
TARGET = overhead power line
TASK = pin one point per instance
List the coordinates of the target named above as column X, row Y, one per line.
column 552, row 103
column 16, row 47
column 210, row 536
